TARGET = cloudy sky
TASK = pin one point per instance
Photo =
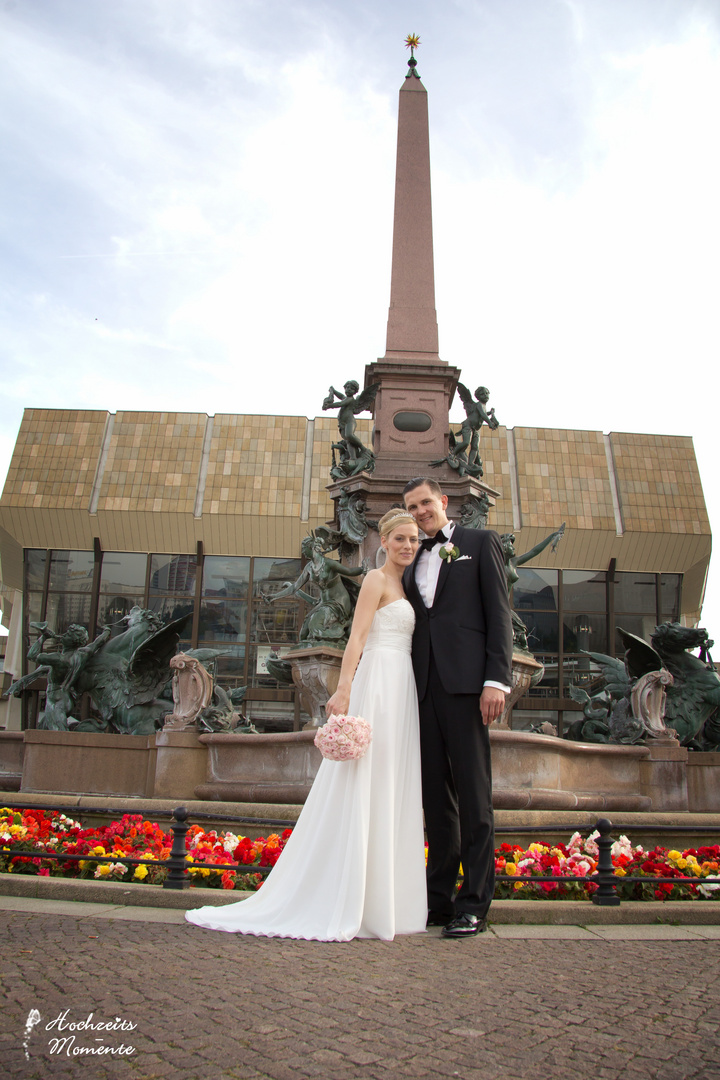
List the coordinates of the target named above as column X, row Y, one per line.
column 196, row 205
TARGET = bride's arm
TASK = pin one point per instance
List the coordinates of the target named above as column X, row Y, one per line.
column 371, row 594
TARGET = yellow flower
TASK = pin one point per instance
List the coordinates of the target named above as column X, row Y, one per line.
column 674, row 855
column 99, row 850
column 619, row 872
column 103, row 871
column 682, row 863
column 510, row 868
column 141, row 872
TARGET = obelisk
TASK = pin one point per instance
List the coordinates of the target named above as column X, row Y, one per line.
column 412, row 332
column 416, row 386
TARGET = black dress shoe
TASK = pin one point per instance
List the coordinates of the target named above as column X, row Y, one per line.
column 464, row 925
column 438, row 918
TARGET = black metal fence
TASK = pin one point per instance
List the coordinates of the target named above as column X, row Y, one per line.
column 179, row 877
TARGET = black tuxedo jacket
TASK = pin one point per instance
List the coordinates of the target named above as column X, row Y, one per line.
column 469, row 625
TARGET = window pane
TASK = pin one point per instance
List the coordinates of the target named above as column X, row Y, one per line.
column 32, row 606
column 229, row 669
column 274, row 622
column 542, row 628
column 584, row 633
column 259, row 674
column 35, row 568
column 63, row 610
column 170, row 608
column 222, row 620
column 123, row 572
column 548, row 685
column 584, row 590
column 226, row 576
column 71, row 571
column 643, row 626
column 112, row 612
column 173, row 574
column 635, row 592
column 670, row 594
column 535, row 590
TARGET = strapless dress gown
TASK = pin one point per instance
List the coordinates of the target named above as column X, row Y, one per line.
column 355, row 863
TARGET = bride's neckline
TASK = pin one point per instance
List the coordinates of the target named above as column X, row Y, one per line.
column 399, row 600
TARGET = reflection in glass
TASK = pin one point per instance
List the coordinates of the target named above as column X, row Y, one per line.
column 229, row 670
column 542, row 630
column 113, row 610
column 583, row 632
column 226, row 576
column 65, row 609
column 71, row 571
column 35, row 569
column 535, row 590
column 584, row 590
column 642, row 626
column 32, row 606
column 635, row 592
column 670, row 597
column 170, row 608
column 173, row 574
column 548, row 685
column 123, row 572
column 222, row 620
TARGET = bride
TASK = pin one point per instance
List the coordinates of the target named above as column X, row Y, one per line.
column 355, row 863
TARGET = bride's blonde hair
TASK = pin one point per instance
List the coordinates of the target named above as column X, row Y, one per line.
column 392, row 519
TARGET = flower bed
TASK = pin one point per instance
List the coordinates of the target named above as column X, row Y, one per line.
column 43, row 831
column 131, row 837
column 579, row 858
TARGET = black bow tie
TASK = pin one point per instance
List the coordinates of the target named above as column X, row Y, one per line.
column 430, row 541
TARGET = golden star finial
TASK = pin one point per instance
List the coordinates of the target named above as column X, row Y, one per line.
column 411, row 42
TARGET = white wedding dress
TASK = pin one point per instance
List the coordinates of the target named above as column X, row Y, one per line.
column 355, row 863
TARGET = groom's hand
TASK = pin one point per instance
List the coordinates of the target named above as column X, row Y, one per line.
column 492, row 704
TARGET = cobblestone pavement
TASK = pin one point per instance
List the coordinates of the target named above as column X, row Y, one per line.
column 542, row 1003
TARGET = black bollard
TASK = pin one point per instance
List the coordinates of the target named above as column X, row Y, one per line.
column 177, row 866
column 605, row 895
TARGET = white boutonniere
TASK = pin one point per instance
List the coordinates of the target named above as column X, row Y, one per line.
column 449, row 552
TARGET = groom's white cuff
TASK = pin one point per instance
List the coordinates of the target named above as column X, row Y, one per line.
column 498, row 686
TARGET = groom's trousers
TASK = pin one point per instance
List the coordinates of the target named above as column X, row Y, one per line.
column 457, row 799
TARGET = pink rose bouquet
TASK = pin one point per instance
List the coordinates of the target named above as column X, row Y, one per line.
column 343, row 738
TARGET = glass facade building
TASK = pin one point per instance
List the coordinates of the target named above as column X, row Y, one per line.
column 570, row 613
column 229, row 602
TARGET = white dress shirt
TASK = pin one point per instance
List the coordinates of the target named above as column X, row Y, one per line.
column 427, row 573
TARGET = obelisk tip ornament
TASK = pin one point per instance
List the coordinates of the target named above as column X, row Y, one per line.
column 412, row 41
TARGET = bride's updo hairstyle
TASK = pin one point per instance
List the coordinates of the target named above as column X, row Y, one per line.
column 392, row 519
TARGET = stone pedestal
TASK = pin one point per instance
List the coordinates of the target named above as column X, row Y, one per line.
column 12, row 749
column 546, row 773
column 259, row 768
column 315, row 673
column 381, row 492
column 664, row 774
column 70, row 761
column 180, row 764
column 703, row 782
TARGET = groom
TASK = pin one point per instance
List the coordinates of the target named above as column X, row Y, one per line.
column 462, row 658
